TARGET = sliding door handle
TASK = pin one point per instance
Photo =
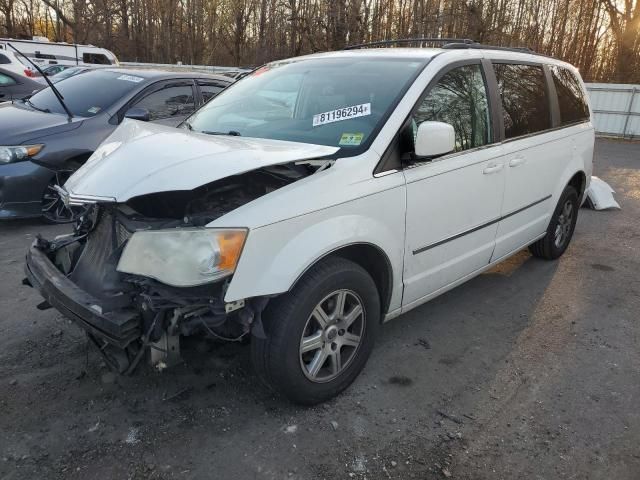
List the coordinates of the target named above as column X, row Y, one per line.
column 517, row 161
column 493, row 168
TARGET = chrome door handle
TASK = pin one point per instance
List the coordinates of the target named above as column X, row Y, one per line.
column 493, row 168
column 517, row 161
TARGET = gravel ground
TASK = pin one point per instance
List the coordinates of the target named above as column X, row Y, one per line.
column 531, row 370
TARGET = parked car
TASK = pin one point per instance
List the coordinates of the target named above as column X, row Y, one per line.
column 14, row 86
column 317, row 198
column 12, row 62
column 55, row 69
column 40, row 145
column 64, row 74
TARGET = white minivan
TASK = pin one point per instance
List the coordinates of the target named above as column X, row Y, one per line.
column 317, row 198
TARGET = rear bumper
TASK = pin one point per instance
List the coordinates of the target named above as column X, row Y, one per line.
column 118, row 328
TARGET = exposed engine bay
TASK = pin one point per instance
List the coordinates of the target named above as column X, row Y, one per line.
column 148, row 312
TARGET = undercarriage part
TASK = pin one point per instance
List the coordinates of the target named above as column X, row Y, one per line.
column 165, row 352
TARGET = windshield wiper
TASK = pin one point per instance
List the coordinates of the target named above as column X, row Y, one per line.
column 232, row 133
column 49, row 82
column 30, row 103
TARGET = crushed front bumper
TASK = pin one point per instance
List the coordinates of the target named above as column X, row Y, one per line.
column 118, row 327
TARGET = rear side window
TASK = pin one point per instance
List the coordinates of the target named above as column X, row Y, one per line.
column 4, row 60
column 525, row 104
column 172, row 100
column 459, row 99
column 6, row 80
column 96, row 58
column 571, row 98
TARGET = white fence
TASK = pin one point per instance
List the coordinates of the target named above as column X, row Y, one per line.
column 616, row 109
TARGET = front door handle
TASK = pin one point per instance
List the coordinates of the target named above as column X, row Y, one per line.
column 493, row 168
column 517, row 161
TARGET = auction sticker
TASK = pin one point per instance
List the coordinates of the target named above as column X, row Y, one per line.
column 351, row 139
column 130, row 78
column 345, row 113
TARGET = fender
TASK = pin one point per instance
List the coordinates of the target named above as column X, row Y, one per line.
column 276, row 255
column 581, row 162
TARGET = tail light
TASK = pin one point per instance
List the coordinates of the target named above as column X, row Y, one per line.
column 28, row 73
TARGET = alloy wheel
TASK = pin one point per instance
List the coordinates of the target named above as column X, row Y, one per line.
column 54, row 209
column 332, row 336
column 564, row 225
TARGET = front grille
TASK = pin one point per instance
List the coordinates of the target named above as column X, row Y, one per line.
column 95, row 271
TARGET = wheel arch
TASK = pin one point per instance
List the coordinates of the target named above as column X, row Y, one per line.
column 371, row 258
column 579, row 182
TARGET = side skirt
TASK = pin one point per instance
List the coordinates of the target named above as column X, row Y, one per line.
column 416, row 303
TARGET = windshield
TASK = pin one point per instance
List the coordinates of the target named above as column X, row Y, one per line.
column 88, row 94
column 339, row 102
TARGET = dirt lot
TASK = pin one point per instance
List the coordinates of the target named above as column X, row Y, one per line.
column 531, row 370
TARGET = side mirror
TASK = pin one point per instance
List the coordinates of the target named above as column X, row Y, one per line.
column 138, row 113
column 434, row 139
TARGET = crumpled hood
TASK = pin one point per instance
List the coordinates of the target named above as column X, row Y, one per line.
column 141, row 158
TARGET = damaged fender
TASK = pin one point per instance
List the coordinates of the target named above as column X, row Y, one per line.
column 276, row 255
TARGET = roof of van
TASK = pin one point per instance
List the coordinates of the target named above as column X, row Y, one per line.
column 47, row 42
column 428, row 53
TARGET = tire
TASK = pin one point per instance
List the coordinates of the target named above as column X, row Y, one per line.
column 561, row 227
column 293, row 323
column 54, row 211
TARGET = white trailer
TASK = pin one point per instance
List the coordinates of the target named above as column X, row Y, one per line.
column 44, row 53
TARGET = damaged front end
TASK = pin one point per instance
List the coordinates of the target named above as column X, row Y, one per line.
column 114, row 294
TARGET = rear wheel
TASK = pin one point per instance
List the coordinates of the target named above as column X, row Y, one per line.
column 561, row 227
column 320, row 334
column 54, row 209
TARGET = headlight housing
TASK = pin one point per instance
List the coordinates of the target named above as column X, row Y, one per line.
column 18, row 153
column 183, row 257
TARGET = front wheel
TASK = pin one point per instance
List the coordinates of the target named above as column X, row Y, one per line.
column 561, row 227
column 320, row 334
column 54, row 209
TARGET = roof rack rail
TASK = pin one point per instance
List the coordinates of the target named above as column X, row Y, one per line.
column 447, row 43
column 454, row 46
column 400, row 41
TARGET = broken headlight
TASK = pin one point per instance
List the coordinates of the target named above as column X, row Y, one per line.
column 183, row 257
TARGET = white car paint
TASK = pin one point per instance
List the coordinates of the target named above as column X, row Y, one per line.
column 398, row 212
column 158, row 158
column 14, row 64
column 600, row 195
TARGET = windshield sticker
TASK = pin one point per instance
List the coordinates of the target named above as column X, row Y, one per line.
column 93, row 110
column 346, row 113
column 351, row 139
column 130, row 78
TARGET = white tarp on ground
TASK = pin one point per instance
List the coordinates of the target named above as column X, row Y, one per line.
column 600, row 195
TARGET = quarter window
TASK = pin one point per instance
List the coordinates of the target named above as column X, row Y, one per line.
column 4, row 60
column 6, row 80
column 210, row 90
column 573, row 105
column 169, row 102
column 525, row 104
column 459, row 99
